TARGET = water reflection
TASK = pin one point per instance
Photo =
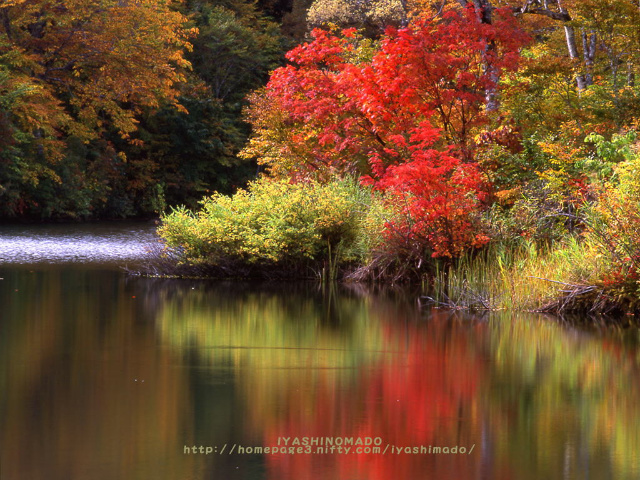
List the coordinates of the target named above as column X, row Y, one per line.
column 566, row 401
column 104, row 376
column 86, row 392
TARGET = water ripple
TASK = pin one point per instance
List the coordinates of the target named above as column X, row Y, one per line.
column 87, row 243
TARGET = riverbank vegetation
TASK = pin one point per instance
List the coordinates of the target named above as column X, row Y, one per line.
column 276, row 228
column 484, row 149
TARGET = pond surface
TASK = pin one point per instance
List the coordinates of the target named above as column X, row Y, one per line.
column 108, row 376
column 106, row 243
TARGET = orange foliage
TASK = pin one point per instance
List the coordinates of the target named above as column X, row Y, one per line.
column 106, row 59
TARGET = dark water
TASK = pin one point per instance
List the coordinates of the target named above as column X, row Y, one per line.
column 104, row 376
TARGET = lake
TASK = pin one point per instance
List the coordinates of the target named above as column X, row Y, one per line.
column 109, row 376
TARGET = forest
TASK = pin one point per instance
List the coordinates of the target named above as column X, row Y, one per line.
column 485, row 149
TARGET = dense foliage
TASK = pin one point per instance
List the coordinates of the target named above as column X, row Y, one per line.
column 114, row 109
column 480, row 124
column 404, row 120
column 478, row 129
column 296, row 226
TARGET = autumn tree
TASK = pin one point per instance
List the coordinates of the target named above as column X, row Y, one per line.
column 404, row 119
column 89, row 68
column 31, row 118
column 588, row 27
column 113, row 108
column 371, row 16
column 107, row 58
column 580, row 79
column 195, row 153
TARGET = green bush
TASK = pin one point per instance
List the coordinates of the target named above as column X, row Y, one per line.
column 275, row 221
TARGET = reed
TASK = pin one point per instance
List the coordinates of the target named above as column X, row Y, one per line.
column 524, row 277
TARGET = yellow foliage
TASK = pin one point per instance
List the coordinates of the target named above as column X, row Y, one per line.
column 278, row 221
column 103, row 54
column 348, row 13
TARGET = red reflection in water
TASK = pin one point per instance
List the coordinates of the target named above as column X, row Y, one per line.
column 422, row 394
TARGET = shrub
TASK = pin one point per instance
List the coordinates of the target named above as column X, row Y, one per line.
column 614, row 225
column 278, row 222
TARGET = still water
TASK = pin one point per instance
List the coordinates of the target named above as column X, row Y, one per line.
column 114, row 377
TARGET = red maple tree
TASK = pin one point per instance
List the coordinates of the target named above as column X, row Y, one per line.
column 402, row 120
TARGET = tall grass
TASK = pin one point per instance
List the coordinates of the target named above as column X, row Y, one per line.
column 522, row 277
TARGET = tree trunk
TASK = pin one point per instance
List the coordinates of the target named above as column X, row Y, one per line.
column 6, row 22
column 538, row 7
column 570, row 35
column 589, row 54
column 405, row 13
column 484, row 10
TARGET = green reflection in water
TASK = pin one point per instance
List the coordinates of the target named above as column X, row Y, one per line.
column 544, row 400
column 566, row 401
column 239, row 363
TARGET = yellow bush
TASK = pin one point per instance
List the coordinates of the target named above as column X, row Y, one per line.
column 274, row 220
